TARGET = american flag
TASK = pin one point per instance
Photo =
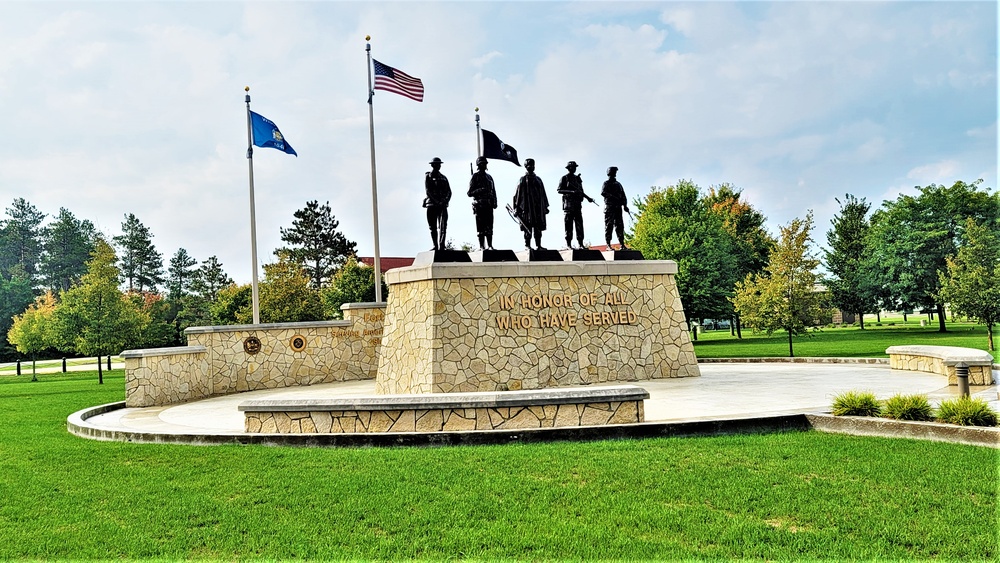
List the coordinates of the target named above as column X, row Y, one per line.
column 392, row 80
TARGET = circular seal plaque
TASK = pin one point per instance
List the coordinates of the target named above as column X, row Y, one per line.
column 298, row 343
column 251, row 345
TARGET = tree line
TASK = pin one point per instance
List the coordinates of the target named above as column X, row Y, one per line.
column 924, row 252
column 67, row 289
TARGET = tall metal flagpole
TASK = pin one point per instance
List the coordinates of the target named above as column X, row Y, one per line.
column 253, row 218
column 371, row 134
column 479, row 148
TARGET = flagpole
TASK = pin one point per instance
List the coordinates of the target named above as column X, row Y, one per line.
column 479, row 149
column 253, row 219
column 371, row 135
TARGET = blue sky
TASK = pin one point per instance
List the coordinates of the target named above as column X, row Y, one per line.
column 137, row 107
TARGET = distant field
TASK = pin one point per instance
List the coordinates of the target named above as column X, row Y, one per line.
column 785, row 496
column 847, row 342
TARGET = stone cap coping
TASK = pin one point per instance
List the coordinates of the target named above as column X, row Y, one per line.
column 463, row 270
column 153, row 352
column 265, row 326
column 950, row 354
column 367, row 305
column 428, row 401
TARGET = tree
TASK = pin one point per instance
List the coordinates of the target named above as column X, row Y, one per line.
column 210, row 279
column 181, row 274
column 316, row 243
column 233, row 305
column 95, row 317
column 285, row 294
column 142, row 265
column 21, row 238
column 851, row 282
column 16, row 294
column 677, row 224
column 31, row 331
column 971, row 284
column 784, row 296
column 353, row 283
column 67, row 245
column 752, row 244
column 912, row 237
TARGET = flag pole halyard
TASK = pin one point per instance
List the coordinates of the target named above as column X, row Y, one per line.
column 371, row 134
column 253, row 220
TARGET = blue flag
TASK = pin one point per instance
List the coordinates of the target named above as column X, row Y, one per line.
column 266, row 134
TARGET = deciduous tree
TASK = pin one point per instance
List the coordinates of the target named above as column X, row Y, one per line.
column 353, row 283
column 912, row 237
column 971, row 284
column 32, row 330
column 95, row 318
column 784, row 296
column 285, row 294
column 677, row 224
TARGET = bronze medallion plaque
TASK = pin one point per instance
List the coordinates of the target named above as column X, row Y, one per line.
column 251, row 345
column 298, row 343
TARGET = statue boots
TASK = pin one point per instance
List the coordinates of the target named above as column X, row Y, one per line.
column 538, row 241
column 482, row 246
column 489, row 242
column 441, row 240
column 434, row 238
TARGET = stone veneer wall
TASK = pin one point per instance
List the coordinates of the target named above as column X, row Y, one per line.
column 468, row 327
column 216, row 363
column 445, row 420
column 978, row 375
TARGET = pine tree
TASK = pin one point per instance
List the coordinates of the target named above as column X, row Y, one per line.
column 316, row 243
column 181, row 274
column 851, row 284
column 67, row 245
column 21, row 238
column 141, row 264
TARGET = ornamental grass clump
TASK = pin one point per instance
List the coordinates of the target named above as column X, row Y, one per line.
column 966, row 411
column 908, row 407
column 856, row 403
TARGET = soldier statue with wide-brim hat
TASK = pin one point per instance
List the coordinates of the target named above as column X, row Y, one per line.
column 614, row 200
column 438, row 195
column 571, row 188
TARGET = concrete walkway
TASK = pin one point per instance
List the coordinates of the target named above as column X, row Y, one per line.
column 724, row 391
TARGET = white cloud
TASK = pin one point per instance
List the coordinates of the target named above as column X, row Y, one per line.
column 935, row 172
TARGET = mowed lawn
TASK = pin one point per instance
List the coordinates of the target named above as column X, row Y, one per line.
column 800, row 495
column 850, row 342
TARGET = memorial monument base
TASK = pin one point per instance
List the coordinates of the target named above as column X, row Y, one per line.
column 531, row 325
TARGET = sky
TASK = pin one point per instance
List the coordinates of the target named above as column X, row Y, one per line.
column 113, row 108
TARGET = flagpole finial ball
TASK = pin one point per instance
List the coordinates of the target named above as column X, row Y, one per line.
column 368, row 37
column 477, row 110
column 246, row 88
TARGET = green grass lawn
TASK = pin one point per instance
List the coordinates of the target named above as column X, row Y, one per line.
column 801, row 495
column 846, row 342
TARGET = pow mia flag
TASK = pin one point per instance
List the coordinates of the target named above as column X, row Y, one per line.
column 493, row 147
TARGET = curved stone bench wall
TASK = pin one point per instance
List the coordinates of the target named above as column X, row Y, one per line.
column 219, row 361
column 447, row 412
column 942, row 360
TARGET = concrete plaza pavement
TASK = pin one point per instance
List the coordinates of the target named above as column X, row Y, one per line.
column 724, row 391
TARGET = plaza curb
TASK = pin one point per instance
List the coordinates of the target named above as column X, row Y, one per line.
column 889, row 428
column 858, row 426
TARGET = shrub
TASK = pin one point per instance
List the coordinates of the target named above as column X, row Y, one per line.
column 908, row 407
column 856, row 403
column 966, row 411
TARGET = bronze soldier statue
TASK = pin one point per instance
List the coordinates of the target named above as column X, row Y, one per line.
column 484, row 201
column 438, row 195
column 571, row 188
column 531, row 205
column 614, row 201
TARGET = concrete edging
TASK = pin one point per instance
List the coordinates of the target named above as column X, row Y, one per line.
column 977, row 436
column 889, row 428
